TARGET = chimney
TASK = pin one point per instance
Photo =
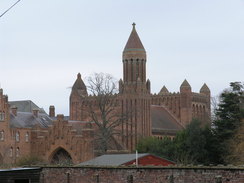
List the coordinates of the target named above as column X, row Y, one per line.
column 35, row 112
column 60, row 117
column 14, row 110
column 51, row 111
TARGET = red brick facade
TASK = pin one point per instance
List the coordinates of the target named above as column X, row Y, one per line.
column 74, row 136
column 135, row 96
column 15, row 142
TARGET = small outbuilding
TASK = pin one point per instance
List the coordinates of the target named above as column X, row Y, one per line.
column 144, row 159
column 20, row 175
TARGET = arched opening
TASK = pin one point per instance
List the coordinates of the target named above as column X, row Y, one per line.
column 17, row 137
column 61, row 157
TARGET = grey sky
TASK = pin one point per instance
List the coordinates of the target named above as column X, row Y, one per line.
column 44, row 44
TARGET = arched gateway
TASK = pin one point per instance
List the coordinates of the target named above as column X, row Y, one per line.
column 61, row 156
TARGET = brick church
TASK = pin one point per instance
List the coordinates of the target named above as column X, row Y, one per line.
column 27, row 130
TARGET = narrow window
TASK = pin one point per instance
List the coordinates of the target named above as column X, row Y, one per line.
column 17, row 152
column 11, row 152
column 2, row 135
column 2, row 116
column 138, row 70
column 17, row 136
column 27, row 137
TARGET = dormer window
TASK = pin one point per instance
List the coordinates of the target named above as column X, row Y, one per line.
column 17, row 137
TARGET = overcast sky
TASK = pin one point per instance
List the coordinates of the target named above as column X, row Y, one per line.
column 45, row 43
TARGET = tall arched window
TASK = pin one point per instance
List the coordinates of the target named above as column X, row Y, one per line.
column 17, row 152
column 2, row 135
column 17, row 137
column 11, row 152
column 27, row 137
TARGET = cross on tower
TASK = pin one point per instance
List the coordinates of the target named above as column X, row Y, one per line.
column 133, row 25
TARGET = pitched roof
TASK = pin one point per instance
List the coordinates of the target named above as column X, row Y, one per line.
column 163, row 121
column 134, row 42
column 25, row 106
column 185, row 84
column 163, row 91
column 112, row 159
column 79, row 86
column 27, row 120
column 204, row 88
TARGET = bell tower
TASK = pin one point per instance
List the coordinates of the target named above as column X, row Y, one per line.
column 134, row 59
column 135, row 92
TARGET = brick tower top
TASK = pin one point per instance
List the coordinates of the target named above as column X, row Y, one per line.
column 185, row 86
column 79, row 86
column 205, row 89
column 164, row 91
column 134, row 47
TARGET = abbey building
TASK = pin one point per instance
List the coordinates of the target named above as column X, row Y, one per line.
column 27, row 130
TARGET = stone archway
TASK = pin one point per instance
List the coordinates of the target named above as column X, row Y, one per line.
column 61, row 156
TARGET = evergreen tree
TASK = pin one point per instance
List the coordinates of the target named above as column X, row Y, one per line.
column 228, row 117
column 204, row 145
column 193, row 145
column 236, row 147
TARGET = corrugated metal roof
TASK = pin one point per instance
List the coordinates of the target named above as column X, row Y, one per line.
column 112, row 159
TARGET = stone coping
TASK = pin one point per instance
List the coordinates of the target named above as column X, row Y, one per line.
column 145, row 167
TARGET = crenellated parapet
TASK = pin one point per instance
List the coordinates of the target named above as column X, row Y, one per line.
column 133, row 88
column 185, row 105
column 201, row 108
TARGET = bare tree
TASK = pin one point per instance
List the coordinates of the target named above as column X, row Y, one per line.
column 214, row 106
column 104, row 109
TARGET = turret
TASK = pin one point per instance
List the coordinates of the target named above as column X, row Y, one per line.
column 163, row 91
column 185, row 86
column 79, row 87
column 78, row 92
column 4, row 106
column 205, row 90
column 121, row 87
column 134, row 58
column 185, row 103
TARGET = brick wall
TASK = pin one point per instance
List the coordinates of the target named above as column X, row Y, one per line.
column 142, row 175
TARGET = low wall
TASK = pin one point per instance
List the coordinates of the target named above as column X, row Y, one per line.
column 142, row 175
